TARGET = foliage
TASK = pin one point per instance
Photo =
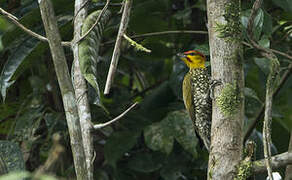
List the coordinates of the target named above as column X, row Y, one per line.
column 156, row 140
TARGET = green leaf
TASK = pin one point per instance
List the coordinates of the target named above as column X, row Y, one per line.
column 263, row 64
column 89, row 48
column 248, row 92
column 154, row 106
column 257, row 25
column 264, row 42
column 14, row 62
column 24, row 56
column 159, row 137
column 285, row 4
column 184, row 131
column 117, row 145
column 145, row 162
column 268, row 24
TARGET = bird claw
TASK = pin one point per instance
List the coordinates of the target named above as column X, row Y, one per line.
column 213, row 83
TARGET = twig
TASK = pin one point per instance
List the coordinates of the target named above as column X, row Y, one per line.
column 116, row 54
column 99, row 126
column 273, row 50
column 160, row 33
column 95, row 23
column 136, row 45
column 28, row 31
column 274, row 66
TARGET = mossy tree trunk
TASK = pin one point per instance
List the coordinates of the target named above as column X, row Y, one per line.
column 228, row 103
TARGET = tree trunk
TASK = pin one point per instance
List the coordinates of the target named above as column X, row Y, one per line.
column 80, row 88
column 228, row 103
column 67, row 91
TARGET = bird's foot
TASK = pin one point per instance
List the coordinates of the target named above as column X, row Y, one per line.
column 213, row 84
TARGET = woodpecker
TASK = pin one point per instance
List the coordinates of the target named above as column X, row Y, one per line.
column 196, row 94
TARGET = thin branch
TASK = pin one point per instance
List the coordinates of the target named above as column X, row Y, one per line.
column 28, row 31
column 117, row 50
column 277, row 161
column 273, row 74
column 99, row 126
column 273, row 50
column 95, row 23
column 160, row 33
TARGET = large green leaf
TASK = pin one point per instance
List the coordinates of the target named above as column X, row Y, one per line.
column 176, row 125
column 285, row 4
column 159, row 137
column 89, row 48
column 257, row 25
column 117, row 145
column 184, row 131
column 145, row 162
column 32, row 20
column 7, row 77
column 24, row 56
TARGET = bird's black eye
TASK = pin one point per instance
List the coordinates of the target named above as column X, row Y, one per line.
column 192, row 54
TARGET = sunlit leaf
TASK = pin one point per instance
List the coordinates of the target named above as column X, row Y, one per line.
column 159, row 137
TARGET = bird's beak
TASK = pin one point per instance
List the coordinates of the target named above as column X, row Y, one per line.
column 181, row 55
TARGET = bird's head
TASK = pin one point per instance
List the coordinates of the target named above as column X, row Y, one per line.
column 193, row 59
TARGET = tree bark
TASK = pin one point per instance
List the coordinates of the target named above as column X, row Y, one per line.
column 80, row 88
column 228, row 103
column 277, row 161
column 64, row 80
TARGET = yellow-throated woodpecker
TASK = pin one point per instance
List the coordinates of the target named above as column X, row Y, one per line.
column 196, row 94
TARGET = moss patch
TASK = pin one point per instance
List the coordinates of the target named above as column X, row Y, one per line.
column 228, row 101
column 231, row 30
column 244, row 170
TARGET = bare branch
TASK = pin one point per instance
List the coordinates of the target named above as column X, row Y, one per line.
column 28, row 31
column 160, row 33
column 95, row 23
column 116, row 54
column 99, row 126
column 277, row 161
column 273, row 50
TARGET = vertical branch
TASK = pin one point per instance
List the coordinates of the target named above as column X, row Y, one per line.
column 64, row 80
column 228, row 105
column 117, row 50
column 268, row 114
column 80, row 88
column 270, row 86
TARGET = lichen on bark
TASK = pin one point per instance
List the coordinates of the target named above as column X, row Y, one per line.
column 244, row 170
column 228, row 101
column 230, row 28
